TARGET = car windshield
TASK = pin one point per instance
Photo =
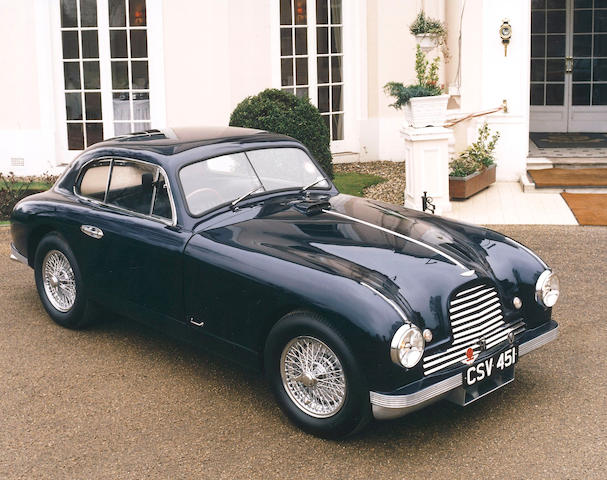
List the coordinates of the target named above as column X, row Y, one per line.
column 215, row 181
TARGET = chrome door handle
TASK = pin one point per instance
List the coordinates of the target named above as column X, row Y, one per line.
column 91, row 231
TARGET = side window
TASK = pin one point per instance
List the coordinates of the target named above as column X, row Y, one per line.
column 139, row 188
column 93, row 181
column 162, row 204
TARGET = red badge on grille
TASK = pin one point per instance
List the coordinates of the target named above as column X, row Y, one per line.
column 470, row 354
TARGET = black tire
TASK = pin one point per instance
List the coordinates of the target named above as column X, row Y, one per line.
column 355, row 410
column 79, row 314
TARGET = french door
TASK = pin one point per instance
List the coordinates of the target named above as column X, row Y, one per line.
column 568, row 91
column 314, row 61
column 103, row 72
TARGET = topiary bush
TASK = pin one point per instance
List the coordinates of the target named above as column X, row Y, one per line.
column 282, row 112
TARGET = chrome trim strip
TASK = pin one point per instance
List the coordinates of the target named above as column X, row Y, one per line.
column 538, row 341
column 392, row 304
column 394, row 406
column 472, row 299
column 17, row 257
column 529, row 251
column 413, row 399
column 476, row 318
column 477, row 308
column 400, row 235
column 470, row 290
column 472, row 305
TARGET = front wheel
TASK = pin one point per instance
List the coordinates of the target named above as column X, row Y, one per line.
column 60, row 284
column 315, row 376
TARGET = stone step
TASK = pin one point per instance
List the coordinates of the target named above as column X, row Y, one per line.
column 536, row 163
column 528, row 186
column 346, row 157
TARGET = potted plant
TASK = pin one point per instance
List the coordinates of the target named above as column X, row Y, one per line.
column 429, row 33
column 423, row 103
column 474, row 169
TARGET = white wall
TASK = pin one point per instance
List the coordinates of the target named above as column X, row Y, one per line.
column 215, row 54
column 486, row 77
column 26, row 112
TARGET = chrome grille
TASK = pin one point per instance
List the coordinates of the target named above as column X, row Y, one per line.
column 475, row 314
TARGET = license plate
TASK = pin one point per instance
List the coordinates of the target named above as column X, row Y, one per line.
column 490, row 366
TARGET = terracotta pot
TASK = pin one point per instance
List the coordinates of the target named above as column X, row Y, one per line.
column 426, row 111
column 465, row 187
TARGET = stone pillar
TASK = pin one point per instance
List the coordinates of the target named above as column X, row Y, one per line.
column 427, row 166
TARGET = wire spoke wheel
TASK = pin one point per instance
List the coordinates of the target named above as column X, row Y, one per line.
column 59, row 280
column 313, row 377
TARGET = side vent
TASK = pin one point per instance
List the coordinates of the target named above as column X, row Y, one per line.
column 17, row 162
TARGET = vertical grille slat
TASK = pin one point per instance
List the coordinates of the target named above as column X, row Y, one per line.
column 475, row 313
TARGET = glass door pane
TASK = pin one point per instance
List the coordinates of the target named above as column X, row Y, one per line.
column 548, row 52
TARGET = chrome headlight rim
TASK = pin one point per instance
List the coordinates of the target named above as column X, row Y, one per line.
column 547, row 299
column 396, row 346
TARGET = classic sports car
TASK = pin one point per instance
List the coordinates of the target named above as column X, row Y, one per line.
column 235, row 239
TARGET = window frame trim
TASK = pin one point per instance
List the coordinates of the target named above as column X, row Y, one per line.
column 75, row 189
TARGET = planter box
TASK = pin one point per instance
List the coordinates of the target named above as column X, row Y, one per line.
column 426, row 111
column 426, row 41
column 465, row 187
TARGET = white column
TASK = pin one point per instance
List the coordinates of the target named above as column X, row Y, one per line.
column 427, row 166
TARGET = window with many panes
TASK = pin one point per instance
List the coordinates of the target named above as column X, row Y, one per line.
column 106, row 37
column 79, row 37
column 311, row 56
column 130, row 77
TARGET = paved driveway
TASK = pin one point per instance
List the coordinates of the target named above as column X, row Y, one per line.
column 121, row 401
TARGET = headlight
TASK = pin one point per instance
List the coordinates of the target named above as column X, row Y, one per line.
column 407, row 346
column 547, row 289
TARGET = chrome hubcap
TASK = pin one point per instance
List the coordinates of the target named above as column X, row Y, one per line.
column 59, row 281
column 313, row 377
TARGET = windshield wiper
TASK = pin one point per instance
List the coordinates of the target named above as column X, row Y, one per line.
column 239, row 199
column 315, row 182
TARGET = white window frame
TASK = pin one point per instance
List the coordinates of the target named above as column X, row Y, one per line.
column 155, row 72
column 354, row 65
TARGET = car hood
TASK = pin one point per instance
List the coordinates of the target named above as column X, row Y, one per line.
column 412, row 258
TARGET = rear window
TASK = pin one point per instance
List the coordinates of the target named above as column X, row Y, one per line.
column 94, row 180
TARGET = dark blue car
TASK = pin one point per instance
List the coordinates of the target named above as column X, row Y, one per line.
column 236, row 240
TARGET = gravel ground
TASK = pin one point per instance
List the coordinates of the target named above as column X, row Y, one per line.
column 120, row 401
column 392, row 190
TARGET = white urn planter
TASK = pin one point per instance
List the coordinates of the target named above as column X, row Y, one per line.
column 426, row 41
column 426, row 111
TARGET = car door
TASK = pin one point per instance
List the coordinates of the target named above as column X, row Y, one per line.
column 131, row 246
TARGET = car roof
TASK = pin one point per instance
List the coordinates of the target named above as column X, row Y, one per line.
column 179, row 139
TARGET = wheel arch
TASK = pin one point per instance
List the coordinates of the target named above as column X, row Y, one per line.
column 34, row 238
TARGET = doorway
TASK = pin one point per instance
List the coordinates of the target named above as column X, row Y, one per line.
column 568, row 91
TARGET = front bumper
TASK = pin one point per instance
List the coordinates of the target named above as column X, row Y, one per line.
column 17, row 257
column 388, row 406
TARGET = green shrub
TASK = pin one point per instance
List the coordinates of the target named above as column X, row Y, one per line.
column 282, row 112
column 13, row 189
column 477, row 156
column 431, row 26
column 427, row 82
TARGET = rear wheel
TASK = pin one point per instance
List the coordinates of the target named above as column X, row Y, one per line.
column 315, row 376
column 60, row 284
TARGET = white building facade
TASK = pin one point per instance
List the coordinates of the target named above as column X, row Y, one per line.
column 78, row 71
